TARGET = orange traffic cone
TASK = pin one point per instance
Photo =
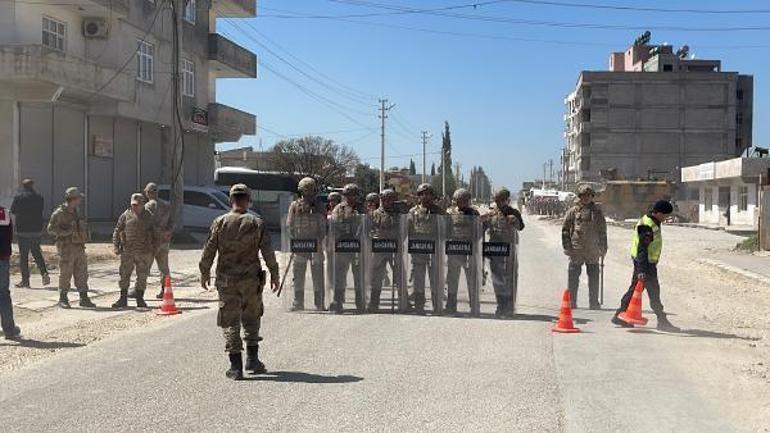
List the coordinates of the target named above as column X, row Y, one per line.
column 565, row 324
column 168, row 306
column 633, row 313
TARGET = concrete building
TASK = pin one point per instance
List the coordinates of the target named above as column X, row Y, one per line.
column 247, row 157
column 728, row 190
column 85, row 95
column 654, row 112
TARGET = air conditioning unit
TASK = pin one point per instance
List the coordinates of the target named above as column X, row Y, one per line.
column 95, row 27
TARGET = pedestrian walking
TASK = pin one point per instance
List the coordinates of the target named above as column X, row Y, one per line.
column 27, row 209
column 584, row 239
column 503, row 224
column 10, row 330
column 646, row 249
column 238, row 237
column 161, row 212
column 135, row 240
column 69, row 230
column 306, row 220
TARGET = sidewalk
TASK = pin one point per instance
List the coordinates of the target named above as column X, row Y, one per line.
column 755, row 266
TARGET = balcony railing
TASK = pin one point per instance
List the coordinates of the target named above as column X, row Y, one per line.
column 231, row 60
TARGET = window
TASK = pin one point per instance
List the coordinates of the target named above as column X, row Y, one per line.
column 739, row 118
column 187, row 69
column 668, row 68
column 54, row 33
column 189, row 11
column 145, row 55
column 739, row 95
column 743, row 198
column 708, row 199
column 195, row 198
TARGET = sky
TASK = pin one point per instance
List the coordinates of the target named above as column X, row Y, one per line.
column 500, row 80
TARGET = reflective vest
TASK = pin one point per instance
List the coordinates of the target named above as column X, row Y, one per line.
column 655, row 247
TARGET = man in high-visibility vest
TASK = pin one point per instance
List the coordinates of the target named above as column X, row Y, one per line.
column 646, row 247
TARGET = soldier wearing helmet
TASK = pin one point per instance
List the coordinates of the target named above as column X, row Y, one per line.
column 333, row 200
column 161, row 212
column 584, row 239
column 423, row 224
column 385, row 225
column 238, row 237
column 346, row 224
column 372, row 202
column 307, row 221
column 462, row 219
column 503, row 224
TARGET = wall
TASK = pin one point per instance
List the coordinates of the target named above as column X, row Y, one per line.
column 715, row 215
column 8, row 160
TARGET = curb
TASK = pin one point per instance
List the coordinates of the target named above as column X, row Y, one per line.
column 735, row 270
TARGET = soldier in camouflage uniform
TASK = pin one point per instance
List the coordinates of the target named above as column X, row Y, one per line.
column 239, row 237
column 135, row 239
column 307, row 220
column 385, row 225
column 346, row 225
column 503, row 223
column 161, row 210
column 333, row 200
column 584, row 238
column 461, row 228
column 372, row 202
column 69, row 230
column 421, row 225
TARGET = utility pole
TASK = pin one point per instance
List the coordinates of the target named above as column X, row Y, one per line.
column 177, row 133
column 550, row 166
column 384, row 108
column 425, row 138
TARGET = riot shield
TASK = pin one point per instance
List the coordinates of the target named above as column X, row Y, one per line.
column 386, row 280
column 347, row 263
column 462, row 251
column 501, row 251
column 304, row 272
column 425, row 262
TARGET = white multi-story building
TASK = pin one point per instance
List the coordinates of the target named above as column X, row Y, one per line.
column 85, row 95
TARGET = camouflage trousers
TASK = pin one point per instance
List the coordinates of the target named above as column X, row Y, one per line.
column 454, row 265
column 73, row 263
column 141, row 262
column 344, row 263
column 240, row 304
column 505, row 275
column 299, row 270
column 161, row 259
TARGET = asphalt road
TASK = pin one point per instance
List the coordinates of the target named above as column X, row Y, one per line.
column 381, row 372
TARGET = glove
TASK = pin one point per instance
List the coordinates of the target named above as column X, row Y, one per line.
column 116, row 251
column 568, row 252
column 640, row 276
column 205, row 282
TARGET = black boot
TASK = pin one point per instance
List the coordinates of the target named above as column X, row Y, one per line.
column 419, row 303
column 161, row 293
column 85, row 302
column 451, row 303
column 374, row 303
column 666, row 326
column 620, row 322
column 508, row 308
column 360, row 305
column 499, row 311
column 236, row 367
column 339, row 301
column 122, row 302
column 22, row 285
column 299, row 301
column 140, row 299
column 318, row 300
column 63, row 301
column 253, row 364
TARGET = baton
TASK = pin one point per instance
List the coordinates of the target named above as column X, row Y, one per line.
column 601, row 282
column 283, row 280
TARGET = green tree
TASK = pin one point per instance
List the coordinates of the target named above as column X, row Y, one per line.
column 367, row 178
column 446, row 149
column 412, row 167
column 433, row 169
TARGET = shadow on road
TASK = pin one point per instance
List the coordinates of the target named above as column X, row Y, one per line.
column 700, row 333
column 47, row 345
column 299, row 377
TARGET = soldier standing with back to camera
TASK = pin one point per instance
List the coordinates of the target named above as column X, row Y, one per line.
column 69, row 230
column 307, row 220
column 161, row 211
column 584, row 238
column 385, row 225
column 460, row 228
column 423, row 224
column 345, row 223
column 503, row 223
column 135, row 239
column 238, row 237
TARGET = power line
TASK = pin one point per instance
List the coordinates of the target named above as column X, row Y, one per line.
column 529, row 22
column 305, row 134
column 643, row 9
